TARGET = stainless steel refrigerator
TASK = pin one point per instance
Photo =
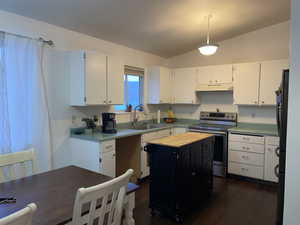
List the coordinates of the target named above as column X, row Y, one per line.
column 282, row 114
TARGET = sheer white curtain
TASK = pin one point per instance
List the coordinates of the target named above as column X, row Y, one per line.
column 25, row 118
column 5, row 146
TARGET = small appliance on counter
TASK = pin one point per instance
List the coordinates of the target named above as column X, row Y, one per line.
column 90, row 124
column 109, row 125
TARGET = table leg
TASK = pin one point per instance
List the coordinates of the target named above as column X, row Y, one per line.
column 128, row 207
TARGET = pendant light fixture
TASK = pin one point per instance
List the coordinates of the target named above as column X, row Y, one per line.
column 208, row 48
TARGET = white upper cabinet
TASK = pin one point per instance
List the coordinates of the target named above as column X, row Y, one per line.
column 270, row 78
column 184, row 83
column 256, row 83
column 213, row 75
column 246, row 83
column 159, row 85
column 115, row 81
column 94, row 79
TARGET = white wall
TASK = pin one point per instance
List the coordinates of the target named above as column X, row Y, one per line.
column 292, row 184
column 265, row 44
column 58, row 81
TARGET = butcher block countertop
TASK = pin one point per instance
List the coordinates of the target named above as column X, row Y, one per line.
column 180, row 140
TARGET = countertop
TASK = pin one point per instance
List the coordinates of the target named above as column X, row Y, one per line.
column 180, row 140
column 125, row 132
column 256, row 129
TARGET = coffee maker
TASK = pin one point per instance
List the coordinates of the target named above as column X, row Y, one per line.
column 109, row 123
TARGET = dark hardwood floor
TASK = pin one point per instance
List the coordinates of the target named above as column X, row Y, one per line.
column 234, row 202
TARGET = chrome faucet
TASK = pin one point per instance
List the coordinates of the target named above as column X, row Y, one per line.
column 135, row 117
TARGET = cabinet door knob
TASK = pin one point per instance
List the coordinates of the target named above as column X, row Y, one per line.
column 262, row 102
column 276, row 171
column 100, row 160
column 109, row 101
column 277, row 151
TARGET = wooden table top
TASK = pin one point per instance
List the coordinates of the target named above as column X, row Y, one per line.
column 54, row 193
column 180, row 140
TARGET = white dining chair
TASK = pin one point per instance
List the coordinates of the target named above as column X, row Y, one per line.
column 101, row 203
column 15, row 165
column 21, row 217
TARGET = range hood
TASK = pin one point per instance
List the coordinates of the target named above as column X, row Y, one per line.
column 215, row 87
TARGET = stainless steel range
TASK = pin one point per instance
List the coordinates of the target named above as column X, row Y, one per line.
column 217, row 123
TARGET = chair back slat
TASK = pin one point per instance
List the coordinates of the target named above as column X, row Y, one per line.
column 13, row 165
column 102, row 203
column 21, row 217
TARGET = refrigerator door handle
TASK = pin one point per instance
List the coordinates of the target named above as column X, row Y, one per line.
column 277, row 151
column 278, row 106
column 276, row 171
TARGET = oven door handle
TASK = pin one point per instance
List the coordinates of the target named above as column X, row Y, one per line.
column 219, row 133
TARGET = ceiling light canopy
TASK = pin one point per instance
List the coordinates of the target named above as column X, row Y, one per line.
column 208, row 48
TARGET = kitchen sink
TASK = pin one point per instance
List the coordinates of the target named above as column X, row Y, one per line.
column 147, row 126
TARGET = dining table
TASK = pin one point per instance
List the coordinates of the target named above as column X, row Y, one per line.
column 54, row 194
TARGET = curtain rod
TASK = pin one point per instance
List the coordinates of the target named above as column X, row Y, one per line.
column 48, row 42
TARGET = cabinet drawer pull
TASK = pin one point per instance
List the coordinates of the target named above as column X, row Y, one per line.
column 245, row 157
column 108, row 147
column 244, row 169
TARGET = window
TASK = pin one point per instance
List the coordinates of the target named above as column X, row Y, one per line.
column 133, row 89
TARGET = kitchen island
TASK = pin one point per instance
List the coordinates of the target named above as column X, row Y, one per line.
column 181, row 173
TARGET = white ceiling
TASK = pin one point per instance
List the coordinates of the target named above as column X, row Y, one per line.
column 162, row 27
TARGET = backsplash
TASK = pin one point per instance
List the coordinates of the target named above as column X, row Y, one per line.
column 223, row 101
column 150, row 113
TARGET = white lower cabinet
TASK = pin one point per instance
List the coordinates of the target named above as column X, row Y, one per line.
column 107, row 158
column 246, row 170
column 144, row 155
column 246, row 158
column 271, row 158
column 246, row 147
column 246, row 155
column 178, row 130
column 253, row 156
column 99, row 157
